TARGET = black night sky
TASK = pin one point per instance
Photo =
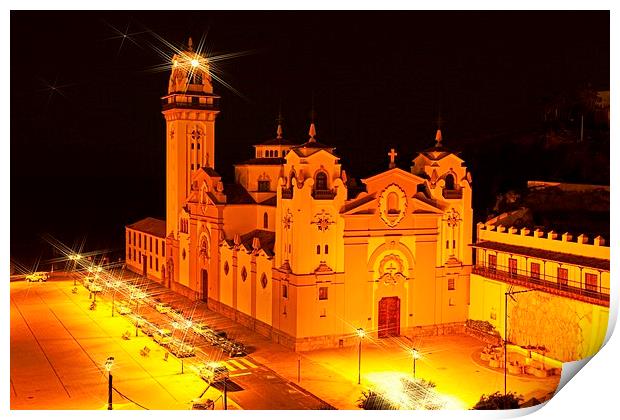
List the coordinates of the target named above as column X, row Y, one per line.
column 88, row 158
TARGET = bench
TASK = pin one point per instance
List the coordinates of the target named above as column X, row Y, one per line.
column 145, row 351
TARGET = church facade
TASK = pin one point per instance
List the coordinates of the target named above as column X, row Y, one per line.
column 288, row 250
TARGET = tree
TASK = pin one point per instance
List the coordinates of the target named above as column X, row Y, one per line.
column 498, row 401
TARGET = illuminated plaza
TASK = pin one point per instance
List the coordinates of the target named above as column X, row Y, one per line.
column 285, row 272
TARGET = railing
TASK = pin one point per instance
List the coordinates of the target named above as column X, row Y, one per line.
column 287, row 193
column 323, row 194
column 452, row 194
column 551, row 284
column 174, row 102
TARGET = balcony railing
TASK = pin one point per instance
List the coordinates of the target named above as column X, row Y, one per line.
column 287, row 193
column 175, row 102
column 452, row 194
column 564, row 287
column 323, row 194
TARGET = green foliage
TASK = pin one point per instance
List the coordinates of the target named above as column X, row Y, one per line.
column 497, row 401
column 482, row 326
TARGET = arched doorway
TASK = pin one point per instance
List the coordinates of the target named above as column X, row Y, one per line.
column 389, row 317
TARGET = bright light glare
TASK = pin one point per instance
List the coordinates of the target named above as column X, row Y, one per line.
column 361, row 333
column 415, row 353
column 195, row 63
column 108, row 363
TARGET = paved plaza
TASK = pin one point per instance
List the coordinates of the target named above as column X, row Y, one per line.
column 59, row 346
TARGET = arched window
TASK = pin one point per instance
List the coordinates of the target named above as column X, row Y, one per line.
column 449, row 182
column 320, row 182
column 276, row 153
column 318, row 249
column 265, row 221
column 393, row 206
column 326, row 249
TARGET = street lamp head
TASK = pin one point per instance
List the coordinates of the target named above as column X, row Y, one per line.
column 108, row 363
column 361, row 333
column 415, row 353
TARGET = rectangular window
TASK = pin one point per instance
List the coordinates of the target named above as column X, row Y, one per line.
column 318, row 249
column 591, row 282
column 512, row 267
column 129, row 254
column 129, row 238
column 451, row 284
column 263, row 186
column 284, row 291
column 134, row 254
column 453, row 243
column 563, row 277
column 156, row 246
column 535, row 271
column 151, row 262
column 492, row 263
column 322, row 293
column 447, row 244
column 192, row 166
column 156, row 264
column 151, row 243
column 140, row 240
column 323, row 313
column 192, row 146
column 163, row 249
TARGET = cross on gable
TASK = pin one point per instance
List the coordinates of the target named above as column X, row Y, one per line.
column 392, row 156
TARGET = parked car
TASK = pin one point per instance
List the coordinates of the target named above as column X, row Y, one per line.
column 94, row 287
column 233, row 348
column 37, row 276
column 149, row 329
column 200, row 328
column 162, row 336
column 214, row 372
column 162, row 308
column 137, row 320
column 180, row 349
column 122, row 308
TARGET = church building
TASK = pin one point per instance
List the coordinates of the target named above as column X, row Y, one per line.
column 287, row 250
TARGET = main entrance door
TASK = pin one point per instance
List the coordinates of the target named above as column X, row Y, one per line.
column 389, row 317
column 205, row 285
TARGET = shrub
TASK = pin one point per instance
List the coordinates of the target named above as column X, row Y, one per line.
column 497, row 401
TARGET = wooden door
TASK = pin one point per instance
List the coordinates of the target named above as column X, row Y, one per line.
column 389, row 317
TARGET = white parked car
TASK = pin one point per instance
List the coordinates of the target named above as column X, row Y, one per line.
column 38, row 276
column 162, row 336
column 214, row 372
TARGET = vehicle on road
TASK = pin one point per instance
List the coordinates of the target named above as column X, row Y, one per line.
column 94, row 287
column 38, row 276
column 122, row 308
column 233, row 348
column 201, row 329
column 162, row 308
column 149, row 329
column 162, row 336
column 180, row 349
column 137, row 320
column 214, row 372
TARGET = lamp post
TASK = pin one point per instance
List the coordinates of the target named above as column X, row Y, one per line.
column 108, row 367
column 360, row 333
column 415, row 354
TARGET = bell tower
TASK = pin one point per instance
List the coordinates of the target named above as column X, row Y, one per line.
column 190, row 108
